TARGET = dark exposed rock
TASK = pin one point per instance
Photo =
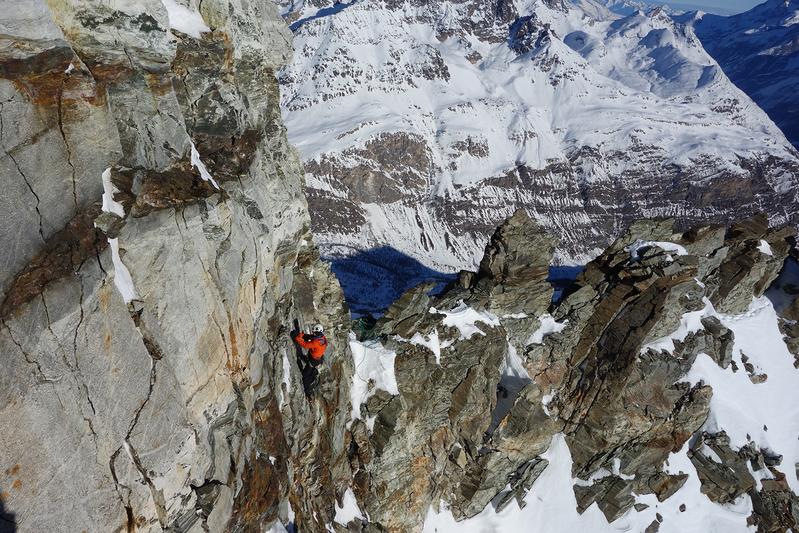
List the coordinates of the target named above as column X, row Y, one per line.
column 775, row 508
column 721, row 482
column 612, row 494
column 63, row 255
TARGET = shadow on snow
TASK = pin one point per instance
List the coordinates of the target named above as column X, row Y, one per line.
column 324, row 12
column 373, row 279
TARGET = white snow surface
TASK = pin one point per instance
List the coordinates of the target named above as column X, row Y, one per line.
column 200, row 166
column 639, row 245
column 604, row 83
column 768, row 412
column 431, row 342
column 465, row 319
column 122, row 278
column 764, row 247
column 689, row 323
column 552, row 507
column 109, row 205
column 548, row 326
column 286, row 374
column 373, row 362
column 276, row 527
column 349, row 509
column 185, row 19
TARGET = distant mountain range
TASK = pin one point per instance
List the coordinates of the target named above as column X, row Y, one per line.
column 759, row 51
column 423, row 124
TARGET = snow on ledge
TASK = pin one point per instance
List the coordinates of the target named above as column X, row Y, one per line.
column 185, row 20
column 349, row 509
column 548, row 326
column 765, row 248
column 197, row 163
column 109, row 205
column 432, row 343
column 374, row 363
column 122, row 279
column 639, row 245
column 689, row 323
column 464, row 318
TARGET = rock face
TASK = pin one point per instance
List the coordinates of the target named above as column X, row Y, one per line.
column 424, row 124
column 151, row 383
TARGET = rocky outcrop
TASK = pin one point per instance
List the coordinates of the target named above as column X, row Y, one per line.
column 605, row 378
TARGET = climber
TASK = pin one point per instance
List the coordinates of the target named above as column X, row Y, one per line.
column 316, row 344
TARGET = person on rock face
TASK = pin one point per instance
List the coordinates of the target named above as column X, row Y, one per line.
column 316, row 344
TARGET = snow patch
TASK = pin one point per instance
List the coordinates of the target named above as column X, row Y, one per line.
column 373, row 363
column 766, row 413
column 432, row 343
column 765, row 248
column 109, row 205
column 185, row 20
column 286, row 375
column 464, row 319
column 197, row 163
column 548, row 326
column 122, row 279
column 639, row 246
column 551, row 506
column 349, row 509
column 689, row 323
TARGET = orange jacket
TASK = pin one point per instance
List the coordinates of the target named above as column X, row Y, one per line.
column 316, row 346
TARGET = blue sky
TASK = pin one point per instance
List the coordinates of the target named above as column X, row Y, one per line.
column 724, row 7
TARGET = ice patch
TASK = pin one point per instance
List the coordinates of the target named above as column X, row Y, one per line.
column 372, row 362
column 464, row 318
column 185, row 20
column 639, row 246
column 349, row 509
column 548, row 326
column 765, row 248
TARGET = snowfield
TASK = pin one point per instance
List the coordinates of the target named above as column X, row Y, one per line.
column 423, row 124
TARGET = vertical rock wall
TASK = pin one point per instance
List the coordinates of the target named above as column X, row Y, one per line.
column 146, row 384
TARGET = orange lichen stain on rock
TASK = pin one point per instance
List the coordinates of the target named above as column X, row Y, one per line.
column 104, row 299
column 158, row 83
column 13, row 470
column 3, row 496
column 17, row 484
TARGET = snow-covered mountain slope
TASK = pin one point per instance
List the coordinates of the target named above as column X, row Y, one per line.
column 759, row 51
column 422, row 124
